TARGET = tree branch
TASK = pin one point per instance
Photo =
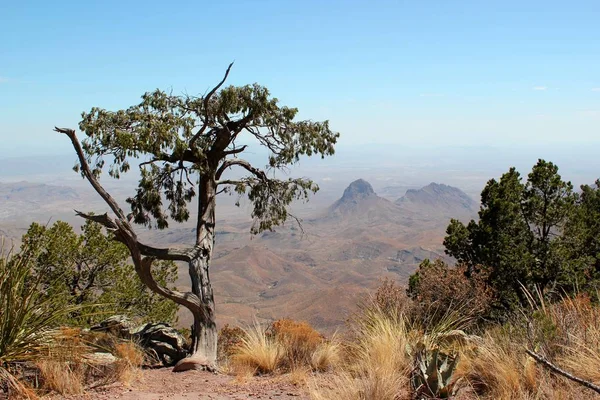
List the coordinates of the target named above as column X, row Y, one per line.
column 114, row 206
column 235, row 151
column 205, row 102
column 126, row 235
column 562, row 372
column 259, row 173
column 143, row 264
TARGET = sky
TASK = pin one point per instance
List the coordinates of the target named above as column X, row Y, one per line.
column 418, row 73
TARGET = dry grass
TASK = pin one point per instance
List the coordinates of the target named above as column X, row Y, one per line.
column 62, row 377
column 130, row 360
column 63, row 368
column 70, row 366
column 298, row 376
column 257, row 351
column 568, row 333
column 328, row 355
column 378, row 358
column 379, row 361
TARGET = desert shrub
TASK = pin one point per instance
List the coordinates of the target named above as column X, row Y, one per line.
column 439, row 289
column 298, row 340
column 92, row 271
column 391, row 299
column 229, row 339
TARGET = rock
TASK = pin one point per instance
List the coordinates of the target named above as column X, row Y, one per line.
column 117, row 325
column 194, row 363
column 101, row 359
column 163, row 342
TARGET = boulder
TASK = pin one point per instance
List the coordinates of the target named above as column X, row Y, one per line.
column 160, row 340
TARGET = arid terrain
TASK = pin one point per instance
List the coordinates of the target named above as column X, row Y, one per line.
column 164, row 384
column 347, row 242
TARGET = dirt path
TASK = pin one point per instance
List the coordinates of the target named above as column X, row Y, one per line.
column 162, row 384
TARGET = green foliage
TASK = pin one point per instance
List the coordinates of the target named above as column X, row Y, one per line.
column 92, row 272
column 433, row 373
column 582, row 236
column 189, row 140
column 537, row 234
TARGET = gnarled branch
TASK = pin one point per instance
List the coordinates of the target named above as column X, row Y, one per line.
column 206, row 100
column 114, row 206
column 258, row 173
column 125, row 234
column 562, row 372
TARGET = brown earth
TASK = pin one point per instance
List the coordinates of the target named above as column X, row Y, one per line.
column 317, row 273
column 162, row 384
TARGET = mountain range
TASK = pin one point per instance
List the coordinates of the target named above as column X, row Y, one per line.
column 316, row 272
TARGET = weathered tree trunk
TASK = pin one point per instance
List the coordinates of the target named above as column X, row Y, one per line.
column 203, row 352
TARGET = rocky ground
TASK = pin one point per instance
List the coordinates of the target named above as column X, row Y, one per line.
column 162, row 384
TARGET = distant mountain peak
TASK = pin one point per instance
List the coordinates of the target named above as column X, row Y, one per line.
column 438, row 196
column 357, row 190
column 358, row 200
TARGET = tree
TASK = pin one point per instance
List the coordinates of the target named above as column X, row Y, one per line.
column 518, row 236
column 582, row 236
column 90, row 274
column 187, row 145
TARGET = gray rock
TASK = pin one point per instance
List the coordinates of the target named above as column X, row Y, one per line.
column 161, row 341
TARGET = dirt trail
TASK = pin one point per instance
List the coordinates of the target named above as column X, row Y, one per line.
column 162, row 384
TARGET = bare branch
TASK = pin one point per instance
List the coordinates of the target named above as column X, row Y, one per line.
column 230, row 182
column 562, row 372
column 206, row 100
column 186, row 254
column 236, row 150
column 114, row 206
column 188, row 299
column 259, row 173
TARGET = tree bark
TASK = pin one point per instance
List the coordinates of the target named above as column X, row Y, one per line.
column 203, row 352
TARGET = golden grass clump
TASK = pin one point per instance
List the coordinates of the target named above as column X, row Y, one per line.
column 328, row 355
column 63, row 368
column 257, row 351
column 379, row 363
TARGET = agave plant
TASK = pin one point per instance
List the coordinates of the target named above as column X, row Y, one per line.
column 433, row 373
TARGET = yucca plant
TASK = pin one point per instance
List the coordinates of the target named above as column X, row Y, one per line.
column 433, row 373
column 26, row 316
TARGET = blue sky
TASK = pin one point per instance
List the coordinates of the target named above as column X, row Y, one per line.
column 493, row 73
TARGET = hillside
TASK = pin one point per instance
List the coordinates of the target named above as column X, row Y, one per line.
column 437, row 198
column 315, row 273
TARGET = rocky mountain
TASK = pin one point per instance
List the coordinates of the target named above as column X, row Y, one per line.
column 359, row 200
column 316, row 272
column 437, row 198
